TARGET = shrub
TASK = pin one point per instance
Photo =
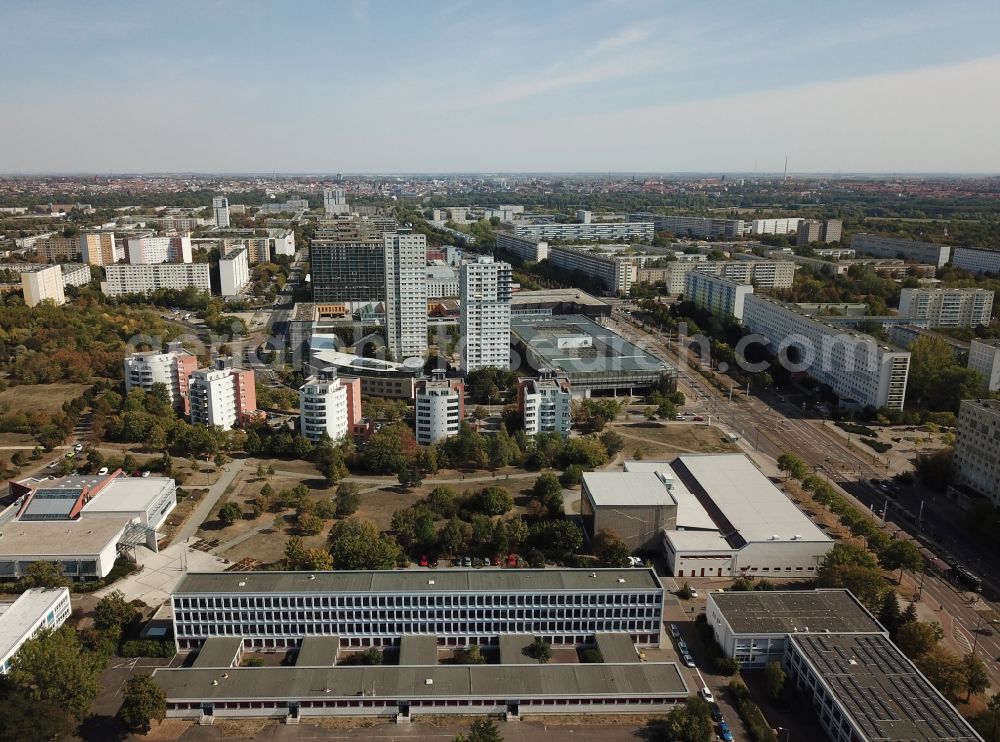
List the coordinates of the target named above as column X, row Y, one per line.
column 876, row 444
column 726, row 666
column 591, row 656
column 760, row 730
column 147, row 648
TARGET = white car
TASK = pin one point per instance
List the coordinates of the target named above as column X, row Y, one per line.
column 146, row 473
column 78, row 447
column 688, row 660
column 707, row 694
column 103, row 470
column 694, row 593
column 635, row 562
column 674, row 631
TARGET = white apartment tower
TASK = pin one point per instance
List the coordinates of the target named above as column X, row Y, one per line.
column 334, row 202
column 719, row 296
column 213, row 398
column 984, row 357
column 947, row 307
column 234, row 271
column 545, row 404
column 148, row 250
column 220, row 211
column 977, row 449
column 172, row 369
column 406, row 294
column 439, row 408
column 42, row 285
column 323, row 406
column 484, row 292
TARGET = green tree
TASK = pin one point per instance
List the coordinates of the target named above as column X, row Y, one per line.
column 845, row 554
column 774, row 680
column 591, row 414
column 43, row 574
column 556, row 538
column 230, row 513
column 945, row 671
column 309, row 524
column 976, row 678
column 348, row 499
column 31, row 720
column 471, row 655
column 919, row 638
column 610, row 550
column 482, row 730
column 868, row 585
column 143, row 701
column 792, row 465
column 295, row 552
column 902, row 554
column 612, row 442
column 691, row 722
column 113, row 614
column 357, row 544
column 539, row 650
column 389, row 449
column 443, row 501
column 987, row 723
column 453, row 536
column 480, row 413
column 890, row 616
column 54, row 667
column 494, row 501
column 409, row 477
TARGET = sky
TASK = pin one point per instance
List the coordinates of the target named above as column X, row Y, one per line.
column 407, row 86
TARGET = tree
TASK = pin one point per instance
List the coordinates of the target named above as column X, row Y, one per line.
column 890, row 616
column 945, row 671
column 918, row 638
column 409, row 477
column 27, row 720
column 348, row 499
column 143, row 701
column 389, row 449
column 902, row 554
column 43, row 574
column 494, row 501
column 357, row 544
column 295, row 552
column 556, row 538
column 792, row 465
column 453, row 535
column 480, row 413
column 113, row 614
column 612, row 441
column 987, row 723
column 309, row 524
column 472, row 655
column 610, row 550
column 691, row 722
column 482, row 730
column 539, row 650
column 572, row 476
column 230, row 513
column 976, row 678
column 591, row 415
column 868, row 585
column 845, row 554
column 774, row 680
column 54, row 667
column 442, row 500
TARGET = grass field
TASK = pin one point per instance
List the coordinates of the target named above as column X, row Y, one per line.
column 653, row 439
column 38, row 397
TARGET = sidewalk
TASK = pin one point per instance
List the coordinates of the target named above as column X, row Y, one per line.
column 204, row 508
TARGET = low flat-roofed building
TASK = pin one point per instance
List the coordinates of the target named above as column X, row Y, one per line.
column 558, row 301
column 863, row 687
column 636, row 506
column 86, row 548
column 460, row 607
column 219, row 651
column 379, row 378
column 404, row 692
column 758, row 530
column 318, row 651
column 591, row 357
column 616, row 648
column 753, row 627
column 418, row 649
column 35, row 609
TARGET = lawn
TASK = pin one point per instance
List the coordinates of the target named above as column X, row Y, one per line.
column 38, row 397
column 655, row 439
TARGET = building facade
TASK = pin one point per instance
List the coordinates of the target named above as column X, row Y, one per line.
column 173, row 369
column 775, row 226
column 56, row 249
column 894, row 247
column 592, row 232
column 984, row 357
column 947, row 307
column 334, row 202
column 858, row 369
column 234, row 271
column 814, row 230
column 440, row 408
column 45, row 284
column 99, row 248
column 459, row 607
column 484, row 292
column 146, row 250
column 405, row 262
column 222, row 397
column 545, row 404
column 144, row 279
column 717, row 295
column 220, row 212
column 526, row 248
column 976, row 260
column 329, row 405
column 694, row 226
column 34, row 610
column 974, row 465
column 348, row 264
column 616, row 272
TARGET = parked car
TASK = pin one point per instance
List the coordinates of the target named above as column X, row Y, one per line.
column 706, row 694
column 70, row 454
column 724, row 733
column 635, row 562
column 102, row 471
column 699, row 419
column 674, row 631
column 688, row 660
column 683, row 647
column 466, row 561
column 694, row 593
column 512, row 560
column 146, row 473
column 716, row 713
column 78, row 447
column 424, row 562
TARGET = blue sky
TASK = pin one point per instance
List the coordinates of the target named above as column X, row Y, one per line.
column 420, row 86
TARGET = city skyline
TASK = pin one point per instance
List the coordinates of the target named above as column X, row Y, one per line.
column 598, row 87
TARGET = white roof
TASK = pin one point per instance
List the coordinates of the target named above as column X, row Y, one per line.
column 698, row 541
column 611, row 488
column 690, row 513
column 749, row 500
column 17, row 619
column 128, row 495
column 55, row 538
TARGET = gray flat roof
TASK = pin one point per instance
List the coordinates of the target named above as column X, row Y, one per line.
column 616, row 648
column 487, row 579
column 43, row 538
column 318, row 651
column 794, row 611
column 608, row 351
column 512, row 648
column 19, row 618
column 881, row 690
column 622, row 488
column 128, row 494
column 218, row 651
column 418, row 649
column 545, row 296
column 410, row 683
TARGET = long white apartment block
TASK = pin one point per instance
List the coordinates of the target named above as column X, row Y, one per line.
column 694, row 226
column 41, row 285
column 717, row 295
column 591, row 232
column 769, row 274
column 234, row 271
column 775, row 226
column 439, row 408
column 617, row 272
column 894, row 247
column 976, row 259
column 143, row 279
column 977, row 449
column 858, row 369
column 145, row 250
column 947, row 307
column 526, row 248
column 984, row 357
column 34, row 610
column 484, row 292
column 406, row 294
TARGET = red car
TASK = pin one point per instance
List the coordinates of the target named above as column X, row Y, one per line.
column 699, row 419
column 424, row 562
column 512, row 560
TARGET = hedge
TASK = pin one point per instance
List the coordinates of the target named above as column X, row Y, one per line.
column 760, row 730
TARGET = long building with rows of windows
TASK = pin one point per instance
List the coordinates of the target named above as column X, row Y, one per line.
column 459, row 607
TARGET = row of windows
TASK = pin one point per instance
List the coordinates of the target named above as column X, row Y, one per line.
column 495, row 614
column 499, row 600
column 423, row 704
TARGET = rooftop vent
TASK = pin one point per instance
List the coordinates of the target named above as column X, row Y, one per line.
column 242, row 583
column 430, row 582
column 593, row 574
column 312, row 577
column 215, row 682
column 429, row 681
column 621, row 579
